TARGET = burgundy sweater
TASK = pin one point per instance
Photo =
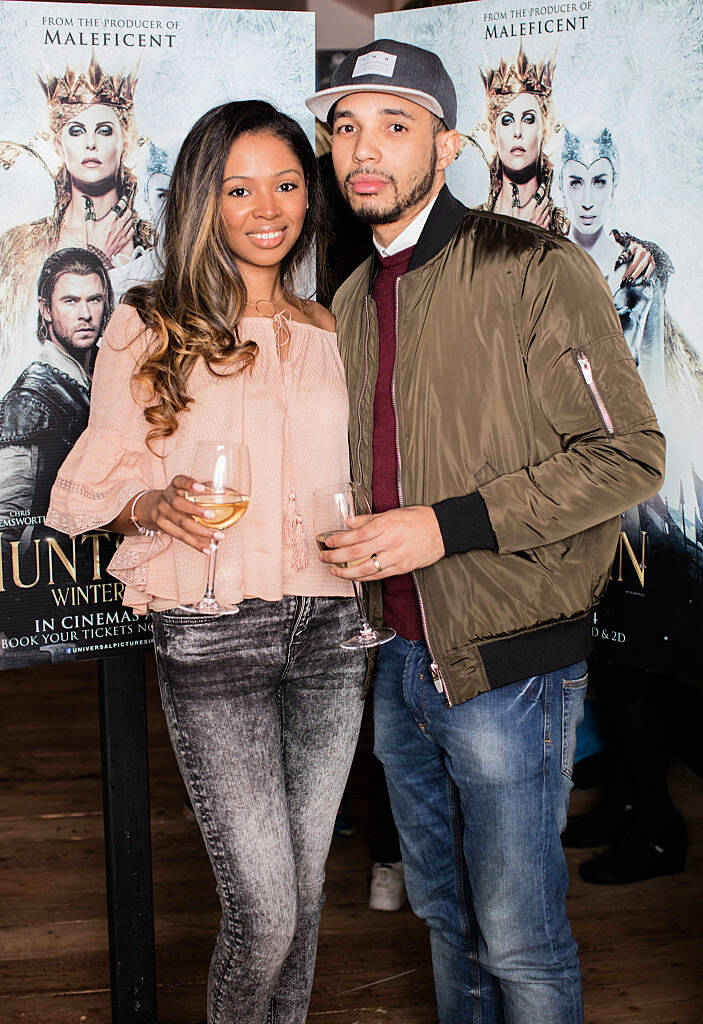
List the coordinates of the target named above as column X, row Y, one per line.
column 401, row 609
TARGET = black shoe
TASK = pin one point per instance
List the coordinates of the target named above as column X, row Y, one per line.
column 597, row 827
column 635, row 858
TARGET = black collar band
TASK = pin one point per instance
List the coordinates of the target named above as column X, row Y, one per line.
column 520, row 177
column 445, row 217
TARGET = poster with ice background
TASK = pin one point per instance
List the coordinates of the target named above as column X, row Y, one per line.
column 96, row 100
column 596, row 105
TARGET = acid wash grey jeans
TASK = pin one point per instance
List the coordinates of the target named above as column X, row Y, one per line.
column 263, row 709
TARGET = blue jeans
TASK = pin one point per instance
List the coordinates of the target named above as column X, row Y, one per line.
column 479, row 794
column 263, row 709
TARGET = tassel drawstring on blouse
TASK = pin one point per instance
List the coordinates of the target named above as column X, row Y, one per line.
column 281, row 328
column 294, row 535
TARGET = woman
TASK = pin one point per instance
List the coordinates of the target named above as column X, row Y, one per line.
column 589, row 170
column 262, row 707
column 637, row 816
column 92, row 136
column 520, row 127
column 155, row 169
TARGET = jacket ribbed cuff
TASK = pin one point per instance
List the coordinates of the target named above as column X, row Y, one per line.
column 465, row 524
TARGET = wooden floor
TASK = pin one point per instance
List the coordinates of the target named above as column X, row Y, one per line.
column 640, row 945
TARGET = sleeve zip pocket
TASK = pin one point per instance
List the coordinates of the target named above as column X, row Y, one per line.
column 584, row 365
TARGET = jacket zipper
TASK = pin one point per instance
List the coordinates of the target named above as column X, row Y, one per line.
column 363, row 391
column 435, row 671
column 587, row 374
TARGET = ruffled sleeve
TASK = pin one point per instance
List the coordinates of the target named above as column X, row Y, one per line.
column 111, row 462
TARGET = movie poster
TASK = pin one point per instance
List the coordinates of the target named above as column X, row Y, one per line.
column 594, row 108
column 96, row 101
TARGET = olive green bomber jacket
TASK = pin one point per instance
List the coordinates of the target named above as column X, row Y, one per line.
column 522, row 419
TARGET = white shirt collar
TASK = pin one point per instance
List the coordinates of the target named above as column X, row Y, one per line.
column 60, row 360
column 408, row 236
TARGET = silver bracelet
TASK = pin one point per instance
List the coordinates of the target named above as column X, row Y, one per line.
column 141, row 530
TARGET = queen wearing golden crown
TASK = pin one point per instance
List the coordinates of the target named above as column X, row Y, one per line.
column 90, row 139
column 519, row 128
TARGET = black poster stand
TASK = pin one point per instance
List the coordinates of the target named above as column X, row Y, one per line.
column 125, row 776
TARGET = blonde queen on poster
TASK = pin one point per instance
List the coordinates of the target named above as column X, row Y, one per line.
column 86, row 150
column 518, row 132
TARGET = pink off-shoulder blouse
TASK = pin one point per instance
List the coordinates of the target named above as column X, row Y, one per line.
column 111, row 462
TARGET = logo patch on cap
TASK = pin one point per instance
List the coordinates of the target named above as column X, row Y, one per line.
column 375, row 63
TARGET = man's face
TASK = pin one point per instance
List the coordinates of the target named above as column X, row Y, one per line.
column 385, row 154
column 75, row 313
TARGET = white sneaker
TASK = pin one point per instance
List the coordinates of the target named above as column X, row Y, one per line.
column 387, row 889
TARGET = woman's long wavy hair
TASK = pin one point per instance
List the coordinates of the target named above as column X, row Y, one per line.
column 195, row 308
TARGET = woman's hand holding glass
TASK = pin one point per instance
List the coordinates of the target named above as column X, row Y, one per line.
column 172, row 511
column 225, row 475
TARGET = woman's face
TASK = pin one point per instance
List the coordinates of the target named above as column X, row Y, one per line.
column 91, row 144
column 519, row 132
column 587, row 193
column 264, row 199
column 156, row 192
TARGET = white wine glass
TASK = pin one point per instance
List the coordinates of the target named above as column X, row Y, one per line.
column 224, row 471
column 333, row 506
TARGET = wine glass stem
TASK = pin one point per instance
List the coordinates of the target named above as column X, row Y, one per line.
column 211, row 567
column 365, row 625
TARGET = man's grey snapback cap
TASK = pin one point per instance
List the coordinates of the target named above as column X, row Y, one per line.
column 385, row 65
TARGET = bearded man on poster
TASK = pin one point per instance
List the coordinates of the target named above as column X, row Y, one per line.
column 46, row 409
column 500, row 423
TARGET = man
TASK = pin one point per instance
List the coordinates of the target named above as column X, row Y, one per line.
column 500, row 423
column 46, row 409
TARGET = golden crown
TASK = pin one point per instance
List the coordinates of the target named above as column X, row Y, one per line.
column 73, row 92
column 509, row 80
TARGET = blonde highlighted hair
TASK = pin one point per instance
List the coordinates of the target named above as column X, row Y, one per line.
column 195, row 308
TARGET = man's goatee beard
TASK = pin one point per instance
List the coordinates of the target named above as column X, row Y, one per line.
column 418, row 192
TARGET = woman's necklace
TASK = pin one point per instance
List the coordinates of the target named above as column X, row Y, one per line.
column 517, row 205
column 282, row 319
column 265, row 307
column 120, row 208
column 521, row 177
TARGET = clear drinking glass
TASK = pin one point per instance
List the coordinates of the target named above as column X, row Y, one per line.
column 225, row 472
column 332, row 507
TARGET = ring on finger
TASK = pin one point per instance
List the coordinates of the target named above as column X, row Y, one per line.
column 374, row 559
